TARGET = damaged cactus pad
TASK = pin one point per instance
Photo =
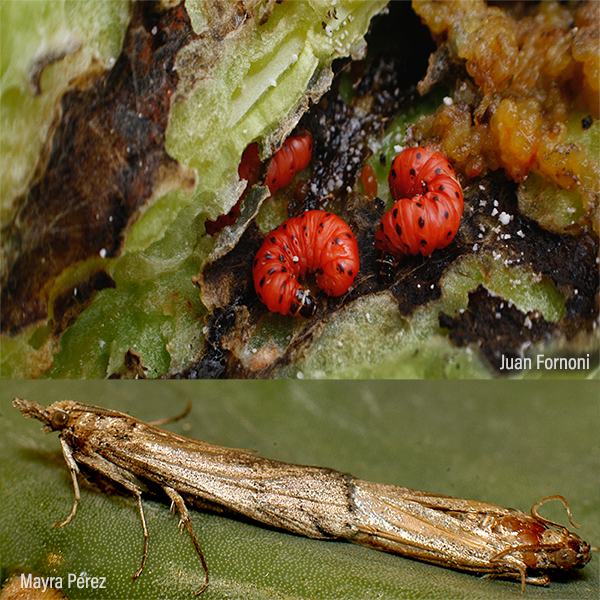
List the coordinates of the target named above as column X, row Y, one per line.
column 124, row 125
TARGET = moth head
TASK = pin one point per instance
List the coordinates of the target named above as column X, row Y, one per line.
column 574, row 554
column 55, row 417
column 567, row 552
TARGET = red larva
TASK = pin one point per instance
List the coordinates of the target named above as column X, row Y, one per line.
column 293, row 157
column 427, row 210
column 316, row 241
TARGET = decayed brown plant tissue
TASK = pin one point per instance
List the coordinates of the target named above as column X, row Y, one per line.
column 531, row 66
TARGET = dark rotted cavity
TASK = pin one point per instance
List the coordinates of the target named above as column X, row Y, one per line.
column 497, row 326
column 238, row 287
column 82, row 199
column 386, row 84
column 566, row 259
column 341, row 133
column 387, row 264
column 214, row 360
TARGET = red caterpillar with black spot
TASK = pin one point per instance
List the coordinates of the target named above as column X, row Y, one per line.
column 316, row 241
column 427, row 211
column 293, row 157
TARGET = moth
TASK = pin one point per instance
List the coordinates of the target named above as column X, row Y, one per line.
column 312, row 501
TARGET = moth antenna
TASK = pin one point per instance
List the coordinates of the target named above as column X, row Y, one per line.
column 185, row 413
column 536, row 515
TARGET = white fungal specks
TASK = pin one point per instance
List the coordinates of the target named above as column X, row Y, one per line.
column 505, row 218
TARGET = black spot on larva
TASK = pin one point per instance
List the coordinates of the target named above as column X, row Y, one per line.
column 261, row 282
column 286, row 247
column 268, row 256
column 283, row 270
column 393, row 173
column 398, row 230
column 449, row 234
column 457, row 194
column 441, row 188
column 380, row 226
column 292, row 167
column 350, row 272
column 303, row 215
column 319, row 271
column 327, row 215
column 436, row 198
column 348, row 236
column 281, row 258
column 284, row 226
column 280, row 299
column 438, row 171
column 273, row 240
column 274, row 180
column 418, row 156
column 412, row 172
column 255, row 262
column 336, row 241
column 423, row 243
column 284, row 285
column 446, row 215
column 421, row 222
column 340, row 268
column 419, row 205
column 395, row 213
column 449, row 166
column 271, row 271
column 304, row 227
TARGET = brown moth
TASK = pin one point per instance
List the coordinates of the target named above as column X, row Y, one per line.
column 311, row 501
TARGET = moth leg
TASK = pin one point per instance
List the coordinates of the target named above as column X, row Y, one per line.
column 138, row 494
column 538, row 580
column 128, row 481
column 73, row 469
column 523, row 571
column 184, row 516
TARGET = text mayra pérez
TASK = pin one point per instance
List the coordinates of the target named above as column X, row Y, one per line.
column 81, row 581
